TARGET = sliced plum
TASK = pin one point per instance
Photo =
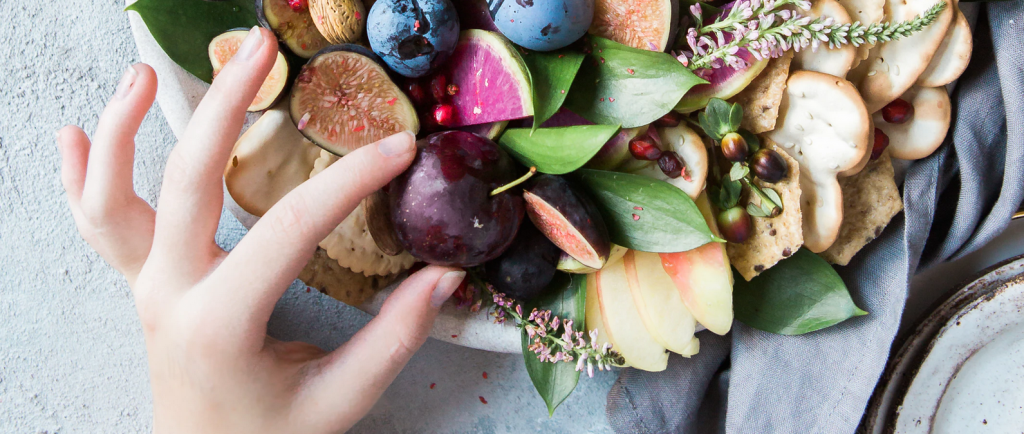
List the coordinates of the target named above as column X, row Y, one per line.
column 223, row 47
column 293, row 27
column 343, row 99
column 526, row 269
column 568, row 218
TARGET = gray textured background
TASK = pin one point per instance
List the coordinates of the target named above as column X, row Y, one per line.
column 71, row 350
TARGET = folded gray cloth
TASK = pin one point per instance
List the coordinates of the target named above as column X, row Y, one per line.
column 955, row 201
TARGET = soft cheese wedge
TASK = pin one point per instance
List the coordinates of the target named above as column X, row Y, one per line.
column 660, row 305
column 621, row 318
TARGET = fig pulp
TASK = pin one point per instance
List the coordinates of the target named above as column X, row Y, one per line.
column 526, row 269
column 645, row 24
column 442, row 207
column 223, row 47
column 294, row 28
column 568, row 219
column 343, row 99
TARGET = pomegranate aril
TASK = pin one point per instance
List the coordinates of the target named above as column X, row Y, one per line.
column 443, row 114
column 297, row 5
column 881, row 142
column 671, row 165
column 671, row 119
column 898, row 112
column 439, row 88
column 644, row 149
column 416, row 93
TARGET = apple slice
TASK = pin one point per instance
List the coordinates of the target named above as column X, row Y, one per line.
column 660, row 305
column 593, row 314
column 704, row 279
column 622, row 322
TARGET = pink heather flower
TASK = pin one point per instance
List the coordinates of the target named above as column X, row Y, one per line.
column 519, row 310
column 568, row 325
column 698, row 14
column 691, row 39
column 593, row 338
column 579, row 364
column 785, row 14
column 803, row 4
column 555, row 323
column 590, row 369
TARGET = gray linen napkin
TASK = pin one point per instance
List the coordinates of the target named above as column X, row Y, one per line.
column 955, row 201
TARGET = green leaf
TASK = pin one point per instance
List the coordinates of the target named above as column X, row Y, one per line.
column 621, row 85
column 552, row 74
column 735, row 117
column 568, row 299
column 773, row 195
column 753, row 142
column 732, row 192
column 646, row 214
column 184, row 28
column 557, row 150
column 738, row 172
column 799, row 295
column 719, row 118
column 755, row 211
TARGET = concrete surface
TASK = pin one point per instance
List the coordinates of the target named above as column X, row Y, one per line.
column 71, row 350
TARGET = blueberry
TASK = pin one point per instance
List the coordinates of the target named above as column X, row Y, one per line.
column 544, row 25
column 413, row 37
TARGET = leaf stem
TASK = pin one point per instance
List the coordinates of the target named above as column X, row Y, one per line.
column 774, row 207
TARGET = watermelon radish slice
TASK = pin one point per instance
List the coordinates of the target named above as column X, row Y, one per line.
column 724, row 83
column 491, row 130
column 493, row 82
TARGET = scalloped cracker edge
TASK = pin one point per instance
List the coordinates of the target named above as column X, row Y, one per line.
column 773, row 239
column 340, row 283
column 761, row 98
column 870, row 200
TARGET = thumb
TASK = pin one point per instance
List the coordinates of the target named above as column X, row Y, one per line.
column 354, row 376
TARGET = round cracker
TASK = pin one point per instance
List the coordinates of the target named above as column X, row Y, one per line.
column 340, row 283
column 926, row 130
column 952, row 56
column 866, row 12
column 350, row 243
column 835, row 61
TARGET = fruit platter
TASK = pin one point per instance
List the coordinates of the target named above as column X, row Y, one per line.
column 614, row 175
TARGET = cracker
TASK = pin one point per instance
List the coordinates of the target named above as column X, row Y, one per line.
column 762, row 97
column 351, row 244
column 870, row 200
column 340, row 283
column 776, row 238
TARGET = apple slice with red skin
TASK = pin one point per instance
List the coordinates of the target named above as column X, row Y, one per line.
column 704, row 278
column 659, row 302
column 568, row 219
column 623, row 324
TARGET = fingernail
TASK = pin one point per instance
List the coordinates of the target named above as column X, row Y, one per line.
column 127, row 81
column 446, row 286
column 250, row 45
column 397, row 144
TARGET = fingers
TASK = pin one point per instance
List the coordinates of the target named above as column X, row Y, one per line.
column 354, row 376
column 74, row 151
column 192, row 194
column 271, row 255
column 112, row 155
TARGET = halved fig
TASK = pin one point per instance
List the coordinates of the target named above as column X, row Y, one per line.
column 378, row 222
column 224, row 46
column 293, row 28
column 343, row 99
column 568, row 219
column 570, row 265
column 647, row 24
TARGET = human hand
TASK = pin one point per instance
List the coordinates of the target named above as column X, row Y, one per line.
column 204, row 311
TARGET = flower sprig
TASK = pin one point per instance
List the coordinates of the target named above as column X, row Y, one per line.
column 553, row 339
column 766, row 29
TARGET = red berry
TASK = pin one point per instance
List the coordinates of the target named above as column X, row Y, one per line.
column 443, row 114
column 643, row 148
column 881, row 142
column 671, row 119
column 735, row 224
column 297, row 5
column 416, row 93
column 671, row 165
column 898, row 112
column 453, row 89
column 769, row 166
column 735, row 148
column 439, row 88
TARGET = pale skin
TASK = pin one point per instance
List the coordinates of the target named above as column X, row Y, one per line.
column 204, row 311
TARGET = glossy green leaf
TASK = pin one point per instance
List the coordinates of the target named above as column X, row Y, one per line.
column 646, row 214
column 567, row 299
column 184, row 28
column 557, row 150
column 621, row 85
column 552, row 73
column 799, row 295
column 720, row 118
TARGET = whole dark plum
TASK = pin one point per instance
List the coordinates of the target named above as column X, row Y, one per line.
column 413, row 37
column 442, row 207
column 526, row 269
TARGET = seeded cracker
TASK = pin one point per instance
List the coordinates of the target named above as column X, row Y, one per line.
column 761, row 99
column 340, row 283
column 870, row 200
column 773, row 239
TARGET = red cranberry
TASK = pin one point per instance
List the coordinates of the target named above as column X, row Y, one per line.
column 734, row 148
column 671, row 119
column 735, row 224
column 439, row 87
column 769, row 166
column 642, row 148
column 671, row 165
column 297, row 5
column 444, row 114
column 416, row 93
column 898, row 112
column 881, row 142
